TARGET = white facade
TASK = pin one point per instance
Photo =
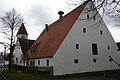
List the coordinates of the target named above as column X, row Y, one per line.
column 17, row 55
column 88, row 47
column 85, row 33
column 43, row 62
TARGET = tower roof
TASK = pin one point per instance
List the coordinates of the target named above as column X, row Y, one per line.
column 48, row 42
column 22, row 30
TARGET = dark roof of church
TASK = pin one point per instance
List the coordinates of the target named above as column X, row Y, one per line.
column 22, row 30
column 25, row 44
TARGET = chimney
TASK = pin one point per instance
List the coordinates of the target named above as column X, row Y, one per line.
column 60, row 14
column 46, row 27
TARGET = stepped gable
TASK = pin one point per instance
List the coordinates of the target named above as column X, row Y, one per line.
column 49, row 41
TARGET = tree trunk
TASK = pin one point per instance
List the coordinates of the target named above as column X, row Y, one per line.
column 11, row 50
column 10, row 59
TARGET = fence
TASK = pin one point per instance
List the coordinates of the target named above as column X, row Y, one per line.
column 47, row 69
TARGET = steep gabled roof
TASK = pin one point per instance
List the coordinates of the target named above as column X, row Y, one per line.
column 48, row 42
column 25, row 44
column 22, row 30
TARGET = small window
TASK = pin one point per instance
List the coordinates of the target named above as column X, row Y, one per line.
column 101, row 32
column 77, row 46
column 91, row 7
column 108, row 47
column 110, row 60
column 47, row 62
column 87, row 16
column 20, row 61
column 27, row 63
column 84, row 30
column 23, row 62
column 94, row 60
column 38, row 62
column 94, row 17
column 16, row 60
column 94, row 49
column 76, row 61
column 31, row 63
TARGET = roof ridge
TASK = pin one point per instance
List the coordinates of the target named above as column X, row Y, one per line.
column 63, row 17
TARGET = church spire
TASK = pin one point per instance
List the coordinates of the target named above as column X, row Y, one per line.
column 22, row 32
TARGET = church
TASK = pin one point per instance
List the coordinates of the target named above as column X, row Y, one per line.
column 78, row 42
column 22, row 45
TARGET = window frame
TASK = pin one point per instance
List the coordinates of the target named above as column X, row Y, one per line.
column 108, row 47
column 94, row 17
column 101, row 32
column 88, row 17
column 16, row 59
column 84, row 30
column 94, row 60
column 94, row 49
column 38, row 62
column 76, row 61
column 47, row 62
column 77, row 46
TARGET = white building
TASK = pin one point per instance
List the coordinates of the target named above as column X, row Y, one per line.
column 22, row 45
column 76, row 43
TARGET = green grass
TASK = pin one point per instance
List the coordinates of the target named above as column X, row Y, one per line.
column 15, row 75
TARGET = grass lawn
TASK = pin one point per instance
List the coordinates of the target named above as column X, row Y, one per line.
column 15, row 75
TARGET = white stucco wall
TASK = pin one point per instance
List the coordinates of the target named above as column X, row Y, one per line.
column 17, row 54
column 64, row 58
column 43, row 61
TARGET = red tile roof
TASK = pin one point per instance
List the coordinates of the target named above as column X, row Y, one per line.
column 22, row 30
column 48, row 42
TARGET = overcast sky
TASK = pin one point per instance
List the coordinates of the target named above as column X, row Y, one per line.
column 37, row 13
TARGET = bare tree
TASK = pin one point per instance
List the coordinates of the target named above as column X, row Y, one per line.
column 107, row 6
column 110, row 8
column 11, row 22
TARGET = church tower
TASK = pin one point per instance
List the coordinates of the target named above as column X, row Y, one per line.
column 22, row 36
column 22, row 33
